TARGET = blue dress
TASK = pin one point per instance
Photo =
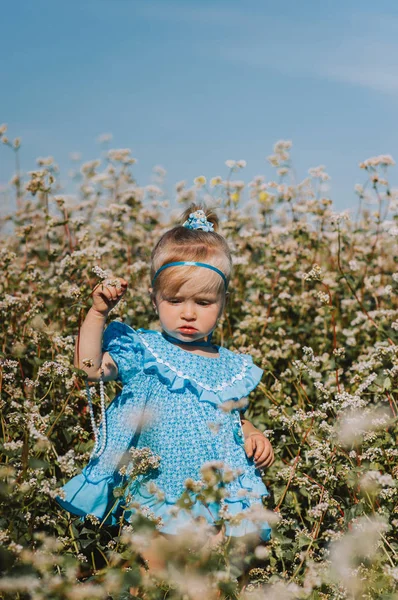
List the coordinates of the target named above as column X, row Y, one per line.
column 170, row 403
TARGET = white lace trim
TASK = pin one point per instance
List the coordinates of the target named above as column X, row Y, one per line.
column 219, row 388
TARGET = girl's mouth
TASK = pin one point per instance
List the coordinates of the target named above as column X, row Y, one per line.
column 187, row 329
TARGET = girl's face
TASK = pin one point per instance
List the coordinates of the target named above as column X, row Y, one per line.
column 190, row 314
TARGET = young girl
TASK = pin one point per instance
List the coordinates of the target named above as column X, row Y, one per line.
column 174, row 384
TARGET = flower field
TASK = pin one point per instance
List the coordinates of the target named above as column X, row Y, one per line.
column 313, row 300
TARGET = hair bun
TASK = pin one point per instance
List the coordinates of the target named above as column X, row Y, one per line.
column 211, row 215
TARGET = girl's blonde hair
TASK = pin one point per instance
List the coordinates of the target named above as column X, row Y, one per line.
column 181, row 243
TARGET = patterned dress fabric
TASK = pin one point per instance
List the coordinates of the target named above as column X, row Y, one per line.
column 170, row 402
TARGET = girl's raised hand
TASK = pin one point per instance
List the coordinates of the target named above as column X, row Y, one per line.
column 108, row 293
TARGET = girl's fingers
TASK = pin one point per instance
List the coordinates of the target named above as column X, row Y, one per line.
column 110, row 291
column 263, row 446
column 104, row 298
column 264, row 455
column 262, row 449
column 249, row 447
column 265, row 460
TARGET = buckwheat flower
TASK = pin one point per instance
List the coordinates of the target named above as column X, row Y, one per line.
column 231, row 164
column 314, row 275
column 241, row 164
column 354, row 425
column 323, row 297
column 200, row 181
column 274, row 160
column 100, row 272
column 13, row 445
column 180, row 185
column 230, row 405
column 316, row 172
column 88, row 362
column 89, row 167
column 3, row 129
column 257, row 513
column 375, row 161
column 339, row 351
column 143, row 460
column 283, row 171
column 393, row 231
column 118, row 491
column 21, row 584
column 214, row 427
column 240, row 260
column 154, row 190
column 191, row 584
column 373, row 479
column 159, row 170
column 261, row 552
column 120, row 154
column 282, row 145
column 85, row 591
column 317, row 510
column 215, row 181
column 45, row 161
column 93, row 519
column 155, row 490
column 14, row 547
column 361, row 543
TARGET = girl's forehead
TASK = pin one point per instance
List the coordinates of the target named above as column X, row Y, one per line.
column 199, row 283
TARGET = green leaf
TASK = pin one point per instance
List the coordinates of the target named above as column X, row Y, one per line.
column 387, row 384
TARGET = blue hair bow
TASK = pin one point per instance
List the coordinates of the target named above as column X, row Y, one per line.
column 197, row 220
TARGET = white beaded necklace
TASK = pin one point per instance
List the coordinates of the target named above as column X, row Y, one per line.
column 97, row 452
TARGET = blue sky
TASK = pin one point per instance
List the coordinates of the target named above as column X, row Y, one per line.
column 189, row 84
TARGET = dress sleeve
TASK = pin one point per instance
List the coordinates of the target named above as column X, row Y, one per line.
column 124, row 346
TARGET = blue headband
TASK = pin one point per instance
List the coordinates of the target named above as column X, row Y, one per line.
column 191, row 264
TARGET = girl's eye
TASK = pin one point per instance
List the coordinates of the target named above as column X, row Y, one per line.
column 203, row 303
column 174, row 301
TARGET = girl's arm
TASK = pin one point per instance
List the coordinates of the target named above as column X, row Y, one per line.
column 89, row 341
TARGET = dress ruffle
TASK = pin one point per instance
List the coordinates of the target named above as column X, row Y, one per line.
column 84, row 497
column 247, row 376
column 173, row 523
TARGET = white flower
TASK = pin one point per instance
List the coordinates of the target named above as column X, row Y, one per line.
column 354, row 265
column 235, row 164
column 355, row 423
column 282, row 145
column 375, row 161
column 100, row 272
column 200, row 181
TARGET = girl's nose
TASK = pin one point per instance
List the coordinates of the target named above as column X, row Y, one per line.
column 188, row 310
